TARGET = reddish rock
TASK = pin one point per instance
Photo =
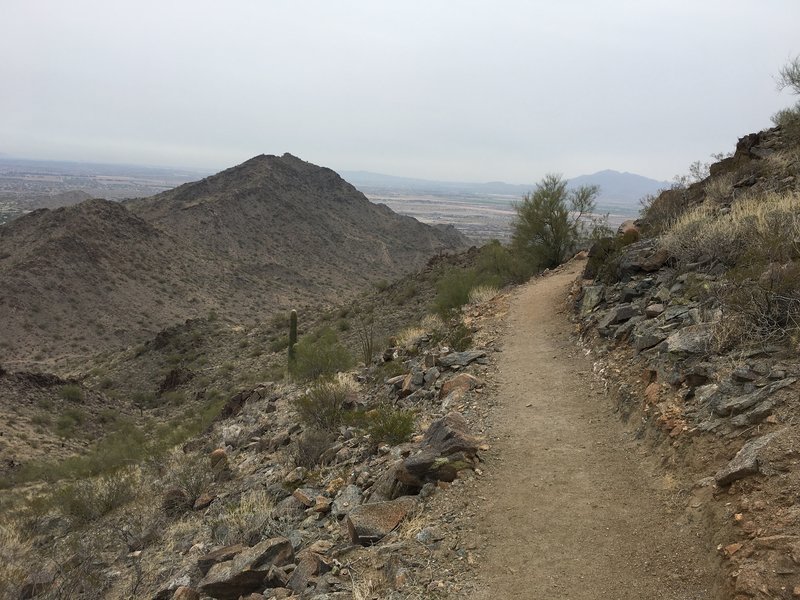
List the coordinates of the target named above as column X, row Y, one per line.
column 185, row 593
column 369, row 523
column 305, row 496
column 462, row 382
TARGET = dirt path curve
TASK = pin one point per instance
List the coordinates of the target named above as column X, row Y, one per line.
column 571, row 508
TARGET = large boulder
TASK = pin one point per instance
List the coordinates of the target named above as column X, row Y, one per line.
column 248, row 571
column 447, row 448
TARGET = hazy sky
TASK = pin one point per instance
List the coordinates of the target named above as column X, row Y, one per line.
column 474, row 91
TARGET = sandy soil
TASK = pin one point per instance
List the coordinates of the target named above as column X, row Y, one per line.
column 572, row 506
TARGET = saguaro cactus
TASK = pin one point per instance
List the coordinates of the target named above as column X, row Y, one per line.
column 292, row 334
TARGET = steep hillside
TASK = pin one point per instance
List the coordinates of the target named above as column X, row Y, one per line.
column 696, row 328
column 268, row 234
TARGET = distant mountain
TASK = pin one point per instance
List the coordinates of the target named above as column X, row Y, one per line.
column 618, row 191
column 267, row 235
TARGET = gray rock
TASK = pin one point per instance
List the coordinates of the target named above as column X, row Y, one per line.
column 738, row 404
column 694, row 339
column 347, row 500
column 248, row 570
column 618, row 314
column 431, row 375
column 745, row 463
column 653, row 310
column 647, row 334
column 460, row 359
column 592, row 297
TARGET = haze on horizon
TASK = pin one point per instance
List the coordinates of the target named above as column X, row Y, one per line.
column 488, row 91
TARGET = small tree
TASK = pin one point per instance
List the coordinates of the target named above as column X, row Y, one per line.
column 789, row 77
column 549, row 221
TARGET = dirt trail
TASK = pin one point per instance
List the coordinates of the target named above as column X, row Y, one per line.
column 572, row 507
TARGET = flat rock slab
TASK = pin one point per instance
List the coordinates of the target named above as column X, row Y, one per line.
column 462, row 382
column 460, row 359
column 746, row 461
column 369, row 523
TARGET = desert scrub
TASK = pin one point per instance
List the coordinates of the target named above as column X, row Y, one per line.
column 757, row 229
column 90, row 499
column 326, row 404
column 319, row 355
column 247, row 520
column 310, row 446
column 71, row 393
column 388, row 424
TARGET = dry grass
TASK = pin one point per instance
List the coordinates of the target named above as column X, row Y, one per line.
column 757, row 229
column 482, row 293
column 719, row 190
column 247, row 521
column 14, row 553
column 411, row 335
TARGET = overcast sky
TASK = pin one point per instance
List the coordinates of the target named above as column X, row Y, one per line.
column 473, row 91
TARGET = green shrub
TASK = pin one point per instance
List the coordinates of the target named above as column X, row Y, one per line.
column 320, row 355
column 390, row 425
column 71, row 393
column 326, row 405
column 279, row 344
column 68, row 421
column 86, row 501
column 452, row 291
column 459, row 337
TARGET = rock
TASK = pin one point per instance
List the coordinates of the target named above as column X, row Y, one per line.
column 306, row 496
column 451, row 434
column 592, row 297
column 446, row 449
column 743, row 373
column 369, row 523
column 642, row 256
column 347, row 500
column 647, row 334
column 204, row 501
column 653, row 310
column 186, row 593
column 460, row 359
column 732, row 406
column 618, row 314
column 396, row 382
column 322, row 504
column 168, row 591
column 463, row 382
column 417, row 377
column 694, row 339
column 309, row 565
column 248, row 570
column 431, row 375
column 746, row 461
column 408, row 387
column 232, row 435
column 225, row 553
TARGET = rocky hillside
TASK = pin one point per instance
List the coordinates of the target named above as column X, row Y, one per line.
column 695, row 328
column 271, row 233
